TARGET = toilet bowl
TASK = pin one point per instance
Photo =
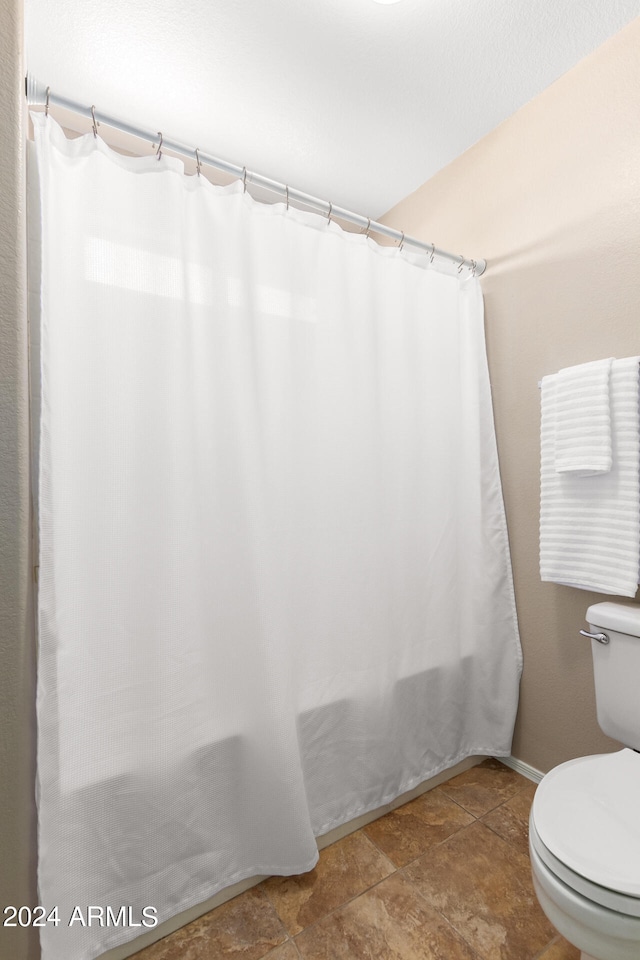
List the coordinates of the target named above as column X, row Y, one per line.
column 584, row 843
column 584, row 829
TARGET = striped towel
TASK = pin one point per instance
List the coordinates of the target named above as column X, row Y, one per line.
column 583, row 419
column 590, row 526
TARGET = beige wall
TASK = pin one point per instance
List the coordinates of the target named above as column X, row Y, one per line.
column 17, row 820
column 551, row 199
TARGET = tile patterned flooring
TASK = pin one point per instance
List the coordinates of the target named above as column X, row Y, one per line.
column 445, row 877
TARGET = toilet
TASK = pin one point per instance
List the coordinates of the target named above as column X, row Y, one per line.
column 584, row 829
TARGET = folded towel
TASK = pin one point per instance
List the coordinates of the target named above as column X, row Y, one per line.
column 583, row 419
column 590, row 528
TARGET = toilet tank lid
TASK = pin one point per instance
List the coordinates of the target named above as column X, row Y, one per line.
column 621, row 617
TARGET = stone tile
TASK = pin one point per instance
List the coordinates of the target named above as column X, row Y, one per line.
column 344, row 870
column 560, row 949
column 408, row 832
column 389, row 922
column 484, row 786
column 288, row 951
column 482, row 885
column 245, row 928
column 511, row 819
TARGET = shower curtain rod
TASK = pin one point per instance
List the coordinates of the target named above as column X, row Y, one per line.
column 39, row 95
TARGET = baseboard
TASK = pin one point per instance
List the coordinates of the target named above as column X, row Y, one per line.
column 524, row 768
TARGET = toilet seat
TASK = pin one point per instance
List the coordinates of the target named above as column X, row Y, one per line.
column 593, row 892
column 585, row 826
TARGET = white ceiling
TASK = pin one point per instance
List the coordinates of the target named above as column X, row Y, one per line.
column 350, row 100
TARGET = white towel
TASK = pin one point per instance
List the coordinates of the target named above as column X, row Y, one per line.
column 590, row 526
column 583, row 419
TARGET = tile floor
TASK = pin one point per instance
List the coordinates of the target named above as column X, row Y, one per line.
column 445, row 877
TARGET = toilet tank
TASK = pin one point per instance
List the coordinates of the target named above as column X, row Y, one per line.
column 616, row 669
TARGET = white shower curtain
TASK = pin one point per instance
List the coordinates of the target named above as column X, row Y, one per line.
column 275, row 588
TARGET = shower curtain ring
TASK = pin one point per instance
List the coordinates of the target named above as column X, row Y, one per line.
column 159, row 151
column 368, row 226
column 461, row 264
column 402, row 241
column 432, row 254
column 286, row 190
column 95, row 122
column 244, row 179
column 198, row 164
column 329, row 214
column 473, row 268
column 46, row 106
